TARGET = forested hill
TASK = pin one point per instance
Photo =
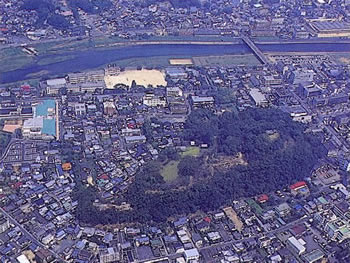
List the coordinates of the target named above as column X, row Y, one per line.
column 276, row 150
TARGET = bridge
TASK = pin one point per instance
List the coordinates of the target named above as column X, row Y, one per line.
column 256, row 50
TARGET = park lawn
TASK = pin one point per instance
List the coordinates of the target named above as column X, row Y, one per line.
column 191, row 151
column 170, row 171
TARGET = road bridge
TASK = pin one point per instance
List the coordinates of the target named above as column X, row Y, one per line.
column 256, row 50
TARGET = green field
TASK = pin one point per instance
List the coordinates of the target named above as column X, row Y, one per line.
column 191, row 151
column 170, row 171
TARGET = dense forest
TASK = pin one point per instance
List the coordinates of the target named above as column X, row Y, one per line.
column 46, row 10
column 276, row 149
column 91, row 6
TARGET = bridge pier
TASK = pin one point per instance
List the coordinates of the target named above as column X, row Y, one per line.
column 257, row 52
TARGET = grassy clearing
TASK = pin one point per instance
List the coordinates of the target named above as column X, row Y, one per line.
column 170, row 171
column 191, row 151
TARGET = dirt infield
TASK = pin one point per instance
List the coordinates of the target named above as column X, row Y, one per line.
column 142, row 77
column 12, row 125
column 180, row 61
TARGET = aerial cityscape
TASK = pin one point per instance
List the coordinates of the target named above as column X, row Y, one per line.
column 174, row 131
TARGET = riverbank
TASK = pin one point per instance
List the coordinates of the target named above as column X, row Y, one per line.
column 63, row 58
column 52, row 51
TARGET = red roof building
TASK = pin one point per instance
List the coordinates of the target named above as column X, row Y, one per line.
column 263, row 198
column 131, row 126
column 298, row 185
column 17, row 185
column 104, row 177
column 25, row 88
column 207, row 219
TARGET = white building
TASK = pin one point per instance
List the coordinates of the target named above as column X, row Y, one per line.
column 299, row 114
column 4, row 224
column 109, row 255
column 79, row 108
column 191, row 254
column 258, row 97
column 135, row 139
column 54, row 85
column 33, row 127
column 23, row 259
column 109, row 108
column 301, row 76
column 296, row 246
column 202, row 102
column 47, row 239
column 176, row 73
column 152, row 100
column 337, row 230
column 174, row 92
column 83, row 77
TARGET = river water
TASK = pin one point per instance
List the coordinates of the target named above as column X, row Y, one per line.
column 94, row 58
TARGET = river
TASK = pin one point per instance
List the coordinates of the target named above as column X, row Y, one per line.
column 94, row 58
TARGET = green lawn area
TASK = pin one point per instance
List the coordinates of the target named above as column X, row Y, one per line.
column 191, row 151
column 170, row 171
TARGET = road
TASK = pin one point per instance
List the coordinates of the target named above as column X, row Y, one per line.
column 33, row 239
column 12, row 142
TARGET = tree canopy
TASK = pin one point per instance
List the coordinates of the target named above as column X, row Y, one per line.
column 45, row 10
column 91, row 6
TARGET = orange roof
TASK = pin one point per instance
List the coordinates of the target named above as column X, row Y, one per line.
column 66, row 166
